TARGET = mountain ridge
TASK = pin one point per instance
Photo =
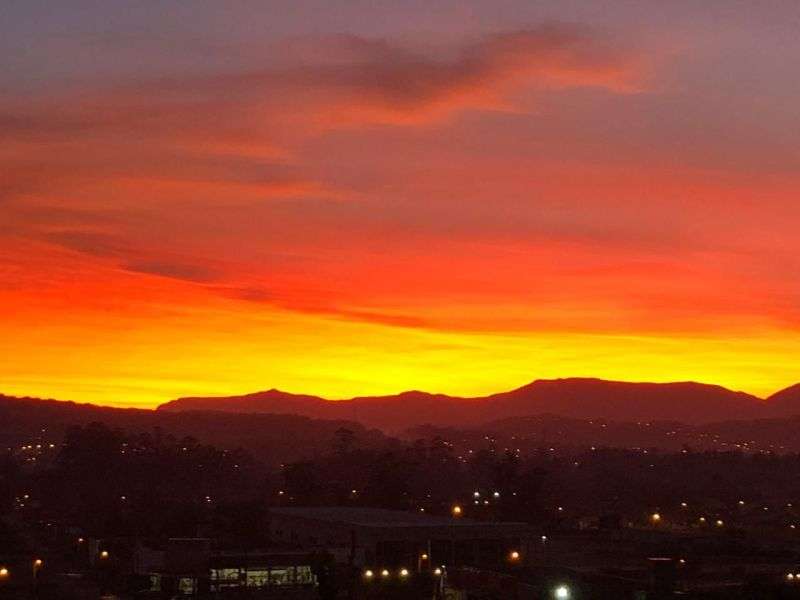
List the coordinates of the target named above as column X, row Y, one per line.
column 554, row 412
column 271, row 438
column 578, row 397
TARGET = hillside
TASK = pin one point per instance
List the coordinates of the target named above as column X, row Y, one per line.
column 278, row 427
column 271, row 438
column 534, row 434
column 785, row 402
column 579, row 398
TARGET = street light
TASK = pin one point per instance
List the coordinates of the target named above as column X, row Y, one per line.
column 385, row 573
column 368, row 574
column 403, row 572
column 457, row 511
column 561, row 593
column 104, row 554
column 513, row 555
column 3, row 572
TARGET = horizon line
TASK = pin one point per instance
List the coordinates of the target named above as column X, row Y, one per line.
column 398, row 393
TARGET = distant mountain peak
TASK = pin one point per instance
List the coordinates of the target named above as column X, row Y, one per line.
column 571, row 397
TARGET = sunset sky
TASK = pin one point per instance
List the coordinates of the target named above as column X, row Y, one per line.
column 202, row 198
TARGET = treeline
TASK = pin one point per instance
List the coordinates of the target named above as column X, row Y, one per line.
column 108, row 483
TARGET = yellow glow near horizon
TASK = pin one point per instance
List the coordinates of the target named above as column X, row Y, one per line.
column 137, row 362
column 91, row 343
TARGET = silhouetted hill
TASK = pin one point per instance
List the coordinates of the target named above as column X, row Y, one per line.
column 271, row 438
column 579, row 398
column 786, row 402
column 279, row 427
column 546, row 432
column 688, row 402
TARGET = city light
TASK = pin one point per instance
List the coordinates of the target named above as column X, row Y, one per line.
column 38, row 562
column 437, row 571
column 476, row 494
column 368, row 574
column 655, row 517
column 496, row 494
column 720, row 523
column 403, row 572
column 104, row 554
column 3, row 572
column 385, row 573
column 424, row 557
column 457, row 511
column 790, row 576
column 561, row 593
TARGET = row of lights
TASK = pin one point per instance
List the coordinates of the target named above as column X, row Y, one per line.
column 477, row 494
column 513, row 556
column 656, row 518
column 403, row 573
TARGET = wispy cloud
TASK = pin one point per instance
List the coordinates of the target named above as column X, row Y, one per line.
column 350, row 80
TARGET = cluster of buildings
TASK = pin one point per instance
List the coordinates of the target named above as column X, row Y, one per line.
column 366, row 543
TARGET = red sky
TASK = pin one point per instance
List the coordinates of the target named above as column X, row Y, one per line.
column 218, row 199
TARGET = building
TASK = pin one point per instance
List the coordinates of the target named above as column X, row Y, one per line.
column 378, row 538
column 190, row 567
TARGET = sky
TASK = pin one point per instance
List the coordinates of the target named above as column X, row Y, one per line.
column 350, row 198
